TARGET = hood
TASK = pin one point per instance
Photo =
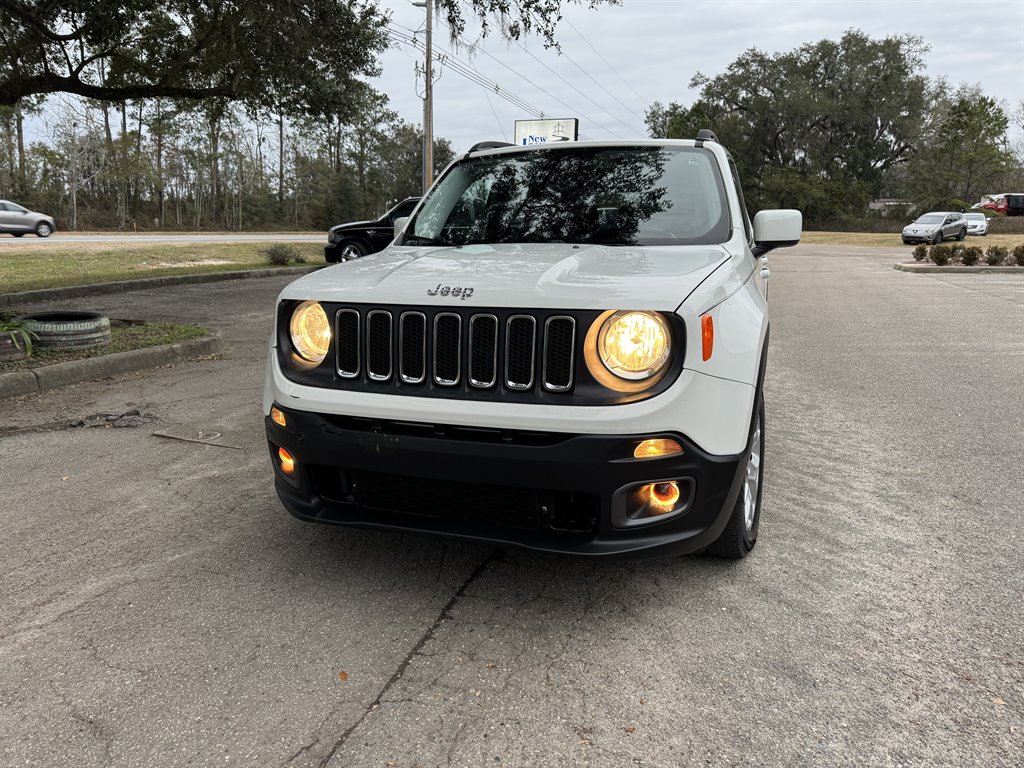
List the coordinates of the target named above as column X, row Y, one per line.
column 355, row 225
column 547, row 276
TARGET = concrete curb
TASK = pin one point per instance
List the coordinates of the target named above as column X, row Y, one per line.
column 104, row 366
column 955, row 269
column 123, row 286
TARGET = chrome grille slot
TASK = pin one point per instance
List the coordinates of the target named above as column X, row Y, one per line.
column 520, row 343
column 483, row 351
column 559, row 352
column 447, row 348
column 412, row 347
column 347, row 323
column 378, row 345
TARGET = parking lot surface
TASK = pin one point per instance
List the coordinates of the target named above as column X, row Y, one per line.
column 159, row 607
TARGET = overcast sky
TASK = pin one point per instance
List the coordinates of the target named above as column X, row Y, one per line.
column 616, row 61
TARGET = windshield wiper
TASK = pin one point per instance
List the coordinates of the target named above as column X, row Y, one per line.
column 420, row 240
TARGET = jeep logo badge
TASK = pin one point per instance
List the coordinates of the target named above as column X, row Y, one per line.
column 454, row 292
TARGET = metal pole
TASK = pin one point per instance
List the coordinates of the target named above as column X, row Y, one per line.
column 428, row 105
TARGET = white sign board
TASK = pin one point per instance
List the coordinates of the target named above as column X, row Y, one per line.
column 546, row 131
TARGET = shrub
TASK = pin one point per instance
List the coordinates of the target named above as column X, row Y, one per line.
column 955, row 250
column 19, row 335
column 281, row 254
column 1018, row 255
column 940, row 254
column 996, row 254
column 921, row 252
column 970, row 255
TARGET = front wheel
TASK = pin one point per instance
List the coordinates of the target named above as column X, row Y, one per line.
column 351, row 250
column 44, row 229
column 938, row 237
column 961, row 234
column 740, row 534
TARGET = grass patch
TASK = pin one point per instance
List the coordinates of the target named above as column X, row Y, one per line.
column 890, row 240
column 123, row 337
column 27, row 268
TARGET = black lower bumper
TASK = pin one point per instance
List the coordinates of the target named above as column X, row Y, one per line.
column 331, row 253
column 552, row 492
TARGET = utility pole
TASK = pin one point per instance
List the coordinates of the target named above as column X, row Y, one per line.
column 428, row 99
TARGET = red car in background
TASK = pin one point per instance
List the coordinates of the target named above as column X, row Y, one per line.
column 995, row 203
column 1006, row 203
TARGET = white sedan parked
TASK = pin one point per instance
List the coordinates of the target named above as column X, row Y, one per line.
column 977, row 223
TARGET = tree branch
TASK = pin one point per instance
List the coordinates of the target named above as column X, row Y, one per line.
column 32, row 20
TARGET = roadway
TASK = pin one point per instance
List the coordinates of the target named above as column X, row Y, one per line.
column 159, row 607
column 70, row 238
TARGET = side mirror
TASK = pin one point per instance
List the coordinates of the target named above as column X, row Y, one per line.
column 776, row 229
column 400, row 224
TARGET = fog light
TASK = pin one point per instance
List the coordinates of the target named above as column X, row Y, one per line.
column 651, row 449
column 287, row 461
column 277, row 416
column 648, row 503
column 663, row 496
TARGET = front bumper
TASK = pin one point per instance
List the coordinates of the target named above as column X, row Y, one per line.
column 918, row 238
column 331, row 253
column 551, row 492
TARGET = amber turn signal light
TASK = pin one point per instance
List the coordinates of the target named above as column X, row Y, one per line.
column 287, row 461
column 651, row 449
column 277, row 416
column 707, row 333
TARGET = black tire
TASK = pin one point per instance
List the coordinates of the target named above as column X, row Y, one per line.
column 63, row 330
column 43, row 229
column 938, row 237
column 738, row 539
column 351, row 249
column 18, row 234
column 962, row 234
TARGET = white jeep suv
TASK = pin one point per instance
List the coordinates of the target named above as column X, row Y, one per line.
column 563, row 349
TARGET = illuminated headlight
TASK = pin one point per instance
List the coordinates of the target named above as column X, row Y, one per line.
column 634, row 345
column 310, row 331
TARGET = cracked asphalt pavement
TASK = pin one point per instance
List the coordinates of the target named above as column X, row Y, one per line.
column 158, row 607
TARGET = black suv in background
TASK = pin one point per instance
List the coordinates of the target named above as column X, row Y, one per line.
column 350, row 241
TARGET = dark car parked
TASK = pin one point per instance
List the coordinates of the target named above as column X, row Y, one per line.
column 350, row 241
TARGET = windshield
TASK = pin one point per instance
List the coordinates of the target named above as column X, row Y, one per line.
column 975, row 216
column 579, row 194
column 930, row 218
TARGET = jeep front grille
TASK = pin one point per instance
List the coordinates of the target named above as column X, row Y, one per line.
column 453, row 349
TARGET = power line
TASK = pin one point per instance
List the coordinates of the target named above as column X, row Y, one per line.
column 494, row 112
column 581, row 93
column 446, row 58
column 456, row 66
column 602, row 58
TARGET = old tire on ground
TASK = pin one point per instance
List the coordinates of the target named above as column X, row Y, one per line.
column 740, row 534
column 68, row 330
column 352, row 249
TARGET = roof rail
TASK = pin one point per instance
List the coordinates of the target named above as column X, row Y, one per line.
column 489, row 145
column 705, row 134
